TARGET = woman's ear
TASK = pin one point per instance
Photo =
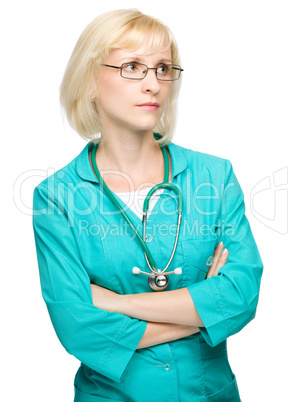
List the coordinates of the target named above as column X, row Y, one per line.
column 92, row 94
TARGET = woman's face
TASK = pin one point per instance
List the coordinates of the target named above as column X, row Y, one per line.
column 117, row 98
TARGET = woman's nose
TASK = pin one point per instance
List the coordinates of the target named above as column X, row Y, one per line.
column 150, row 82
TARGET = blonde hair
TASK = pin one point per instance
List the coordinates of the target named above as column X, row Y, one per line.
column 116, row 29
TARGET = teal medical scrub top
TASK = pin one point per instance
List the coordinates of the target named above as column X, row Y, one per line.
column 81, row 239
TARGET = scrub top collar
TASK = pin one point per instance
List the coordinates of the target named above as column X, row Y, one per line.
column 84, row 169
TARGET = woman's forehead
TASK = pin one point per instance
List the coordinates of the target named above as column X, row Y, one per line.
column 143, row 45
column 140, row 55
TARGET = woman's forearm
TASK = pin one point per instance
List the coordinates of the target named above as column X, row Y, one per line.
column 157, row 333
column 174, row 306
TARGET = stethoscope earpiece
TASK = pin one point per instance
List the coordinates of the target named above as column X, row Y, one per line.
column 137, row 270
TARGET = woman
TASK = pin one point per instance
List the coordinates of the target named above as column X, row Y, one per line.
column 141, row 337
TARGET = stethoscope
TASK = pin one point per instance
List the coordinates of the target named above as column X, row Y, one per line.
column 158, row 279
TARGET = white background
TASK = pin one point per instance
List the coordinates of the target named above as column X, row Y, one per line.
column 240, row 100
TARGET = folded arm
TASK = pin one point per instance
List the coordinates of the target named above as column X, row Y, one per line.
column 173, row 307
column 224, row 303
column 161, row 332
column 103, row 341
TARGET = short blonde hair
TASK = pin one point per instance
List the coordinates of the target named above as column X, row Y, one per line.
column 118, row 29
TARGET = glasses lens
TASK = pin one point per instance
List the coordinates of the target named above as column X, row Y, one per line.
column 137, row 71
column 133, row 70
column 168, row 72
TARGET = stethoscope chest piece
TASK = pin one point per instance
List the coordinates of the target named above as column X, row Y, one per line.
column 158, row 282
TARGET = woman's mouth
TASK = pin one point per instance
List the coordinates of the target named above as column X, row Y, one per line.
column 149, row 106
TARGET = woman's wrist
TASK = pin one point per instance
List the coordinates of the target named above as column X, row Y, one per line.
column 124, row 304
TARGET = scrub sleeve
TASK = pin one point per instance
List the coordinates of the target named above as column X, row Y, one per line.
column 228, row 301
column 104, row 341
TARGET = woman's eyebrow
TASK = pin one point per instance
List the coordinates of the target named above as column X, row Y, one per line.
column 137, row 58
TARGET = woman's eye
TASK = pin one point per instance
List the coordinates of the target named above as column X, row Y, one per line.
column 162, row 69
column 130, row 67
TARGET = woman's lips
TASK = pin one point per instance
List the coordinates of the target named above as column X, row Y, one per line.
column 149, row 107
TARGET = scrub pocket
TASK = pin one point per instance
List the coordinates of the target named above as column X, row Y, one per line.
column 83, row 397
column 227, row 394
column 219, row 380
column 197, row 255
column 90, row 386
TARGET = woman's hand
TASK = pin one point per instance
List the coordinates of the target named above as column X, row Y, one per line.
column 219, row 260
column 105, row 299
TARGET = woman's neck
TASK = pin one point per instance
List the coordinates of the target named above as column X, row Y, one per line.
column 130, row 162
column 129, row 153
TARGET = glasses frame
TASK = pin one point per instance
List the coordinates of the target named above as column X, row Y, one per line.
column 175, row 66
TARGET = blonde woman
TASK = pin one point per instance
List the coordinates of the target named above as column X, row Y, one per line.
column 144, row 299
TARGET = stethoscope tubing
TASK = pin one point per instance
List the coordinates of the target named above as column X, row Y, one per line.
column 148, row 256
column 155, row 271
column 118, row 206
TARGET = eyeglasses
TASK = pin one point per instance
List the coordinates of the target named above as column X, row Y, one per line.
column 138, row 71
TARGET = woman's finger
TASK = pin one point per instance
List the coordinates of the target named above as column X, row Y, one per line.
column 216, row 255
column 221, row 262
